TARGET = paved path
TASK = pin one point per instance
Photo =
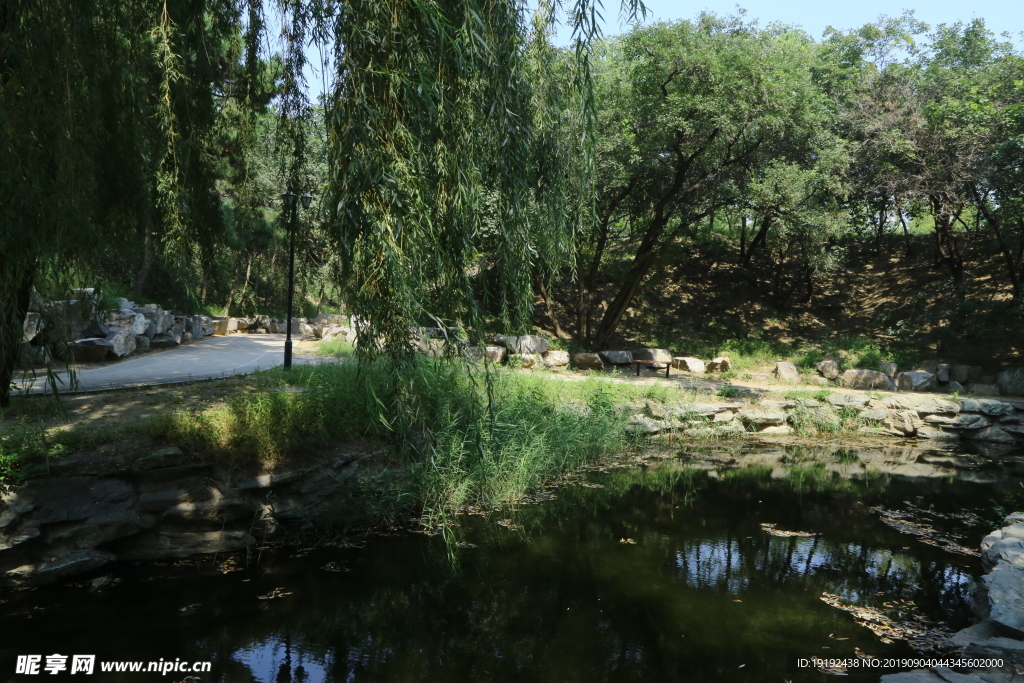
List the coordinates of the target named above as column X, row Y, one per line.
column 236, row 354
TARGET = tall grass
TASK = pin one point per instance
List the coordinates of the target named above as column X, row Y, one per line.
column 456, row 451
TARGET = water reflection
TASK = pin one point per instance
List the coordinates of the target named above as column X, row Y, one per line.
column 703, row 593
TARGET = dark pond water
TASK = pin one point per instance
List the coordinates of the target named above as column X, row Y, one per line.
column 697, row 592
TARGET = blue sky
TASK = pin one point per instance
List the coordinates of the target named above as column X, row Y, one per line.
column 815, row 17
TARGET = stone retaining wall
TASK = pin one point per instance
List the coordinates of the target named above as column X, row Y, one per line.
column 51, row 529
column 985, row 420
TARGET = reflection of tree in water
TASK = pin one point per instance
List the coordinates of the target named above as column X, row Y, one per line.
column 570, row 602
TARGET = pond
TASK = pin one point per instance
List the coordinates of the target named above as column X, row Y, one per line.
column 660, row 570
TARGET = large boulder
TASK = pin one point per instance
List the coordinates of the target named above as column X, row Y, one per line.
column 617, row 357
column 916, row 380
column 942, row 372
column 689, row 364
column 90, row 350
column 986, row 406
column 759, row 417
column 964, row 373
column 495, row 354
column 527, row 343
column 524, row 360
column 588, row 361
column 141, row 343
column 903, row 422
column 866, row 379
column 929, row 405
column 32, row 325
column 829, row 369
column 555, row 359
column 122, row 342
column 1011, row 382
column 888, row 368
column 786, row 372
column 330, row 332
column 983, row 389
column 720, row 364
column 991, row 435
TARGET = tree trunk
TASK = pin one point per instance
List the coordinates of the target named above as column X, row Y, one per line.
column 994, row 223
column 758, row 240
column 17, row 284
column 945, row 240
column 245, row 283
column 147, row 263
column 543, row 288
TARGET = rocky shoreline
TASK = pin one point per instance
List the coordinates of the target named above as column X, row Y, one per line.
column 997, row 424
column 999, row 604
column 167, row 507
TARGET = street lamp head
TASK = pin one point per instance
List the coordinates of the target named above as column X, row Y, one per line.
column 288, row 199
column 306, row 200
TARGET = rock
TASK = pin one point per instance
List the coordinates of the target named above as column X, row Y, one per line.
column 495, row 354
column 936, row 433
column 930, row 405
column 961, row 421
column 986, row 406
column 777, row 430
column 330, row 332
column 525, row 344
column 916, row 380
column 122, row 342
column 1004, row 588
column 902, row 422
column 524, row 360
column 429, row 347
column 1005, row 545
column 971, row 634
column 91, row 350
column 163, row 341
column 187, row 338
column 1009, row 650
column 1011, row 382
column 661, row 357
column 816, row 381
column 983, row 389
column 877, row 413
column 954, row 387
column 69, row 563
column 762, row 417
column 308, row 330
column 641, row 424
column 588, row 361
column 688, row 364
column 555, row 359
column 991, row 434
column 942, row 372
column 786, row 372
column 720, row 364
column 617, row 357
column 842, row 399
column 964, row 373
column 220, row 326
column 888, row 368
column 866, row 379
column 163, row 543
column 141, row 343
column 32, row 326
column 829, row 369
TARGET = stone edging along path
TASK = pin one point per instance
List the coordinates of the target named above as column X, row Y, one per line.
column 984, row 420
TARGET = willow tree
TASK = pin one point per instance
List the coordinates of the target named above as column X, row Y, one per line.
column 108, row 109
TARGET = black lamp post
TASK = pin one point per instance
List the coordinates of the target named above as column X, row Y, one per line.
column 291, row 201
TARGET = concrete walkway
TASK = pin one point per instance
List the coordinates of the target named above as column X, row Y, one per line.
column 212, row 357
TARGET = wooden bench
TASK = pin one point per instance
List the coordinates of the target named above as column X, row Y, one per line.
column 668, row 366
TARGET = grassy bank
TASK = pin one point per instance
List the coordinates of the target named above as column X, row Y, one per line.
column 452, row 439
